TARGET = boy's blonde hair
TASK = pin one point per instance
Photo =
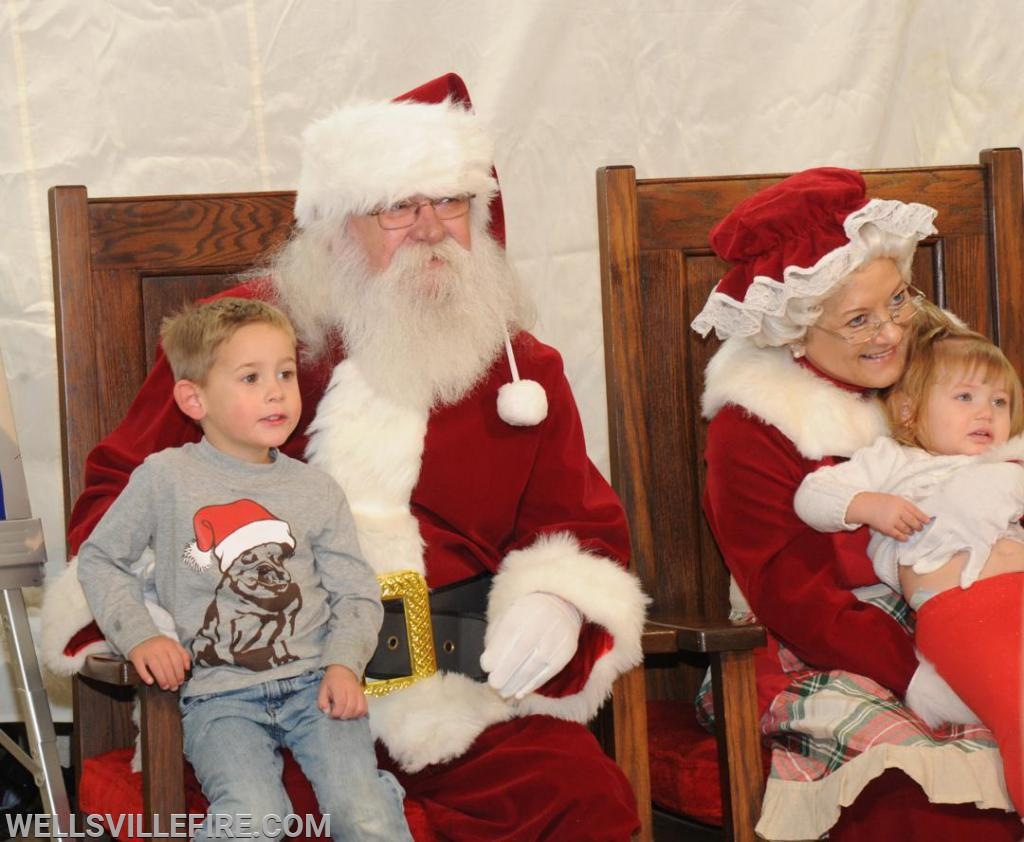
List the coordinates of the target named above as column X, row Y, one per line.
column 939, row 346
column 192, row 336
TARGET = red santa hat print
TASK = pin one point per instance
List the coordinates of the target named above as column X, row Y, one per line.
column 226, row 530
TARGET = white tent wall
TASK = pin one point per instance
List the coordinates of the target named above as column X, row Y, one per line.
column 133, row 97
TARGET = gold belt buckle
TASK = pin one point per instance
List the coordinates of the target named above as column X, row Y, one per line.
column 410, row 587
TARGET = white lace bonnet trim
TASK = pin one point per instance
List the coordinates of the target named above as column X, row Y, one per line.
column 768, row 296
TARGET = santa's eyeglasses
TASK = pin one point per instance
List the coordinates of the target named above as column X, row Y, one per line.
column 404, row 214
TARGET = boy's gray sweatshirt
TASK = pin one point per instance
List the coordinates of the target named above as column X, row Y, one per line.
column 258, row 564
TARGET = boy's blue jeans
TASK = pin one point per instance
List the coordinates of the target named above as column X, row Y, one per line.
column 232, row 741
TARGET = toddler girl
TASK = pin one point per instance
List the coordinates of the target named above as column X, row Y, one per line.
column 944, row 498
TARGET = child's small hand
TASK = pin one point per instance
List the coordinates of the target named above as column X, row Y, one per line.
column 889, row 514
column 341, row 695
column 162, row 660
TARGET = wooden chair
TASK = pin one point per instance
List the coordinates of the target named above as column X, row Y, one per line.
column 657, row 269
column 120, row 265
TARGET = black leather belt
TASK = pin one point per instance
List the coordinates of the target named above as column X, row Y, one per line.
column 458, row 616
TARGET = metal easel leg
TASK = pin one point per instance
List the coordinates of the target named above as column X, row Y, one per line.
column 44, row 762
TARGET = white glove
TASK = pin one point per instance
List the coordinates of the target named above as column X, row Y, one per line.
column 529, row 643
column 931, row 698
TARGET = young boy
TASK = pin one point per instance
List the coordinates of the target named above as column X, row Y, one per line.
column 258, row 565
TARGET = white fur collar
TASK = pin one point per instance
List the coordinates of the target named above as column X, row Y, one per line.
column 373, row 447
column 818, row 417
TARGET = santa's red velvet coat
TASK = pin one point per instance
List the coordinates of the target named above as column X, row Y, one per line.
column 453, row 493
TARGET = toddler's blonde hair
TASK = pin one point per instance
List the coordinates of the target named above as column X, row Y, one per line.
column 940, row 347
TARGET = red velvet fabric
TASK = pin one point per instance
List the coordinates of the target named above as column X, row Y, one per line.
column 799, row 582
column 499, row 791
column 503, row 788
column 794, row 223
column 109, row 787
column 893, row 808
column 684, row 762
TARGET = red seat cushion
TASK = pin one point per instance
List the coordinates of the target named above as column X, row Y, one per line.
column 683, row 758
column 110, row 788
column 684, row 762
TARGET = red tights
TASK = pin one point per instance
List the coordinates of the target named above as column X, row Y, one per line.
column 973, row 637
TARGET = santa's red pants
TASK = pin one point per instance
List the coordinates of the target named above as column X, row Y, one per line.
column 534, row 778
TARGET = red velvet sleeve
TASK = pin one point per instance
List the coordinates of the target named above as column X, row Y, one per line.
column 797, row 580
column 153, row 423
column 566, row 493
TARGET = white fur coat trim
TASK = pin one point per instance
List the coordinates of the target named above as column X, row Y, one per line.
column 436, row 719
column 65, row 612
column 373, row 447
column 604, row 593
column 818, row 417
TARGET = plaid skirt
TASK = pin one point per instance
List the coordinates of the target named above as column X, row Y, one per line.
column 832, row 733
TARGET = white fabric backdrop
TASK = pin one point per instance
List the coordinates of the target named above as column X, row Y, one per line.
column 133, row 97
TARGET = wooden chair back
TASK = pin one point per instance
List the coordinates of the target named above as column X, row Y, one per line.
column 657, row 269
column 119, row 266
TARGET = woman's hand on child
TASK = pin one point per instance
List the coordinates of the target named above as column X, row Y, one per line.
column 889, row 514
column 341, row 694
column 162, row 660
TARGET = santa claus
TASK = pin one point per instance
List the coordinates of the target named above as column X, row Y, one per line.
column 455, row 437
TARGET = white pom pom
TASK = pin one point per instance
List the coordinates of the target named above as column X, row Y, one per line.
column 522, row 403
column 196, row 558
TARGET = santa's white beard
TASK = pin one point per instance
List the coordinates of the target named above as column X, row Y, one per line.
column 424, row 330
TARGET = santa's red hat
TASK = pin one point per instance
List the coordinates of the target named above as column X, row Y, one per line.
column 798, row 239
column 225, row 531
column 370, row 155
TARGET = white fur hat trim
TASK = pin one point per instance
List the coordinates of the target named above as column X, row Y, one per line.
column 364, row 156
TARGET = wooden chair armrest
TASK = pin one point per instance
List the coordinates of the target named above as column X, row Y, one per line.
column 111, row 669
column 159, row 729
column 666, row 633
column 729, row 646
column 738, row 736
column 163, row 757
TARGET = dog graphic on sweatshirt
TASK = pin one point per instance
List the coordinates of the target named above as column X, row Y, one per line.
column 256, row 602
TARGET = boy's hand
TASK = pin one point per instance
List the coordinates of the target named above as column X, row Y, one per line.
column 341, row 695
column 889, row 514
column 162, row 660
